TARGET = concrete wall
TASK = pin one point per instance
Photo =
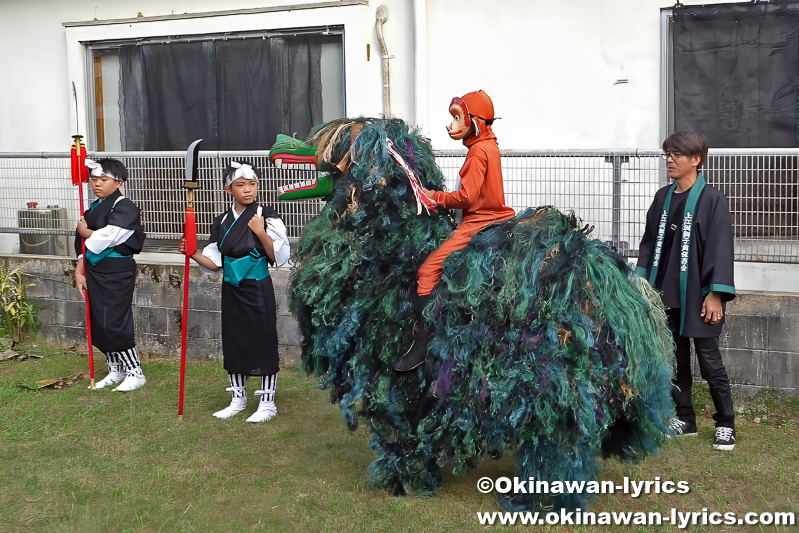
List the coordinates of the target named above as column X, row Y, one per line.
column 760, row 343
column 157, row 307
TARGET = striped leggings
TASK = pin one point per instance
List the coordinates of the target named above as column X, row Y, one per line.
column 267, row 391
column 129, row 359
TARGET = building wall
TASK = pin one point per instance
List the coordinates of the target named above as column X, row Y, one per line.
column 49, row 56
column 551, row 70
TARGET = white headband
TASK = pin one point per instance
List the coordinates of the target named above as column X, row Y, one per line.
column 97, row 170
column 243, row 170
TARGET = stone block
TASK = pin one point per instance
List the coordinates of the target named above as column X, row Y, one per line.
column 61, row 312
column 281, row 301
column 153, row 320
column 289, row 355
column 205, row 325
column 204, row 298
column 789, row 305
column 784, row 370
column 745, row 332
column 203, row 348
column 152, row 344
column 41, row 288
column 150, row 273
column 65, row 289
column 148, row 293
column 48, row 312
column 174, row 321
column 747, row 391
column 63, row 335
column 281, row 279
column 755, row 304
column 746, row 367
column 783, row 333
column 287, row 330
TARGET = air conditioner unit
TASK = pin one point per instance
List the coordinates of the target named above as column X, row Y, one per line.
column 39, row 218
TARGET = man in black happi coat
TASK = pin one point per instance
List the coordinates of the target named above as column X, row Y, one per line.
column 687, row 254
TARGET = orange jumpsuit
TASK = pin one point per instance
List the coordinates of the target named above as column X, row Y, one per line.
column 481, row 197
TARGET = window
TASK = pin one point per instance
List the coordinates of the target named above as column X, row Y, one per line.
column 237, row 92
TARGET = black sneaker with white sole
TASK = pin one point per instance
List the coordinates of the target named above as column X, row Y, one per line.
column 725, row 439
column 682, row 428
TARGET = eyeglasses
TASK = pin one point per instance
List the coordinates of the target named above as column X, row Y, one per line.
column 673, row 155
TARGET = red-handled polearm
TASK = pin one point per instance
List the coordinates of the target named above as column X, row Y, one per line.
column 80, row 175
column 190, row 238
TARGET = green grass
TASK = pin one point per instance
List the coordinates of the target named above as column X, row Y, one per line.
column 80, row 460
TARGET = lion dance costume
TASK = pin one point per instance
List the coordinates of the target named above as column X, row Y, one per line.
column 543, row 342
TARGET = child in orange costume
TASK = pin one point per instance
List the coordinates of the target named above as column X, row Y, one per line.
column 481, row 197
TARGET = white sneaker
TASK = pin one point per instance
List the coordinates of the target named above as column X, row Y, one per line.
column 236, row 406
column 266, row 411
column 132, row 382
column 115, row 375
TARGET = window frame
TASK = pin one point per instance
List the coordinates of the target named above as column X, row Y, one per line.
column 353, row 15
column 666, row 73
column 110, row 44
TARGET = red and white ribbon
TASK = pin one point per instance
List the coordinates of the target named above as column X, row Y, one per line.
column 416, row 186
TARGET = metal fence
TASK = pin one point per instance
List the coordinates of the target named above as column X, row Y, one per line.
column 609, row 189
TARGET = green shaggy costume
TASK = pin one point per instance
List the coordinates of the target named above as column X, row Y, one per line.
column 545, row 344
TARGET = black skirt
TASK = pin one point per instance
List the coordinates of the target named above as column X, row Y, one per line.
column 249, row 328
column 110, row 300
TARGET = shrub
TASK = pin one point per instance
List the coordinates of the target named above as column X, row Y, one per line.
column 18, row 314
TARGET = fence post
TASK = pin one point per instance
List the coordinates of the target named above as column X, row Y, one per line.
column 617, row 161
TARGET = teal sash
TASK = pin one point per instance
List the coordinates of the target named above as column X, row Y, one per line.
column 251, row 266
column 685, row 241
column 94, row 258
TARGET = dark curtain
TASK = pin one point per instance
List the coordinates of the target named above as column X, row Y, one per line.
column 735, row 73
column 736, row 70
column 236, row 94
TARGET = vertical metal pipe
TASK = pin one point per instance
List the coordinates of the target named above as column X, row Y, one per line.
column 381, row 16
column 420, row 62
column 617, row 161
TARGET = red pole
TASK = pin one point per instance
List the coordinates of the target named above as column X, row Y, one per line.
column 190, row 241
column 190, row 234
column 80, row 175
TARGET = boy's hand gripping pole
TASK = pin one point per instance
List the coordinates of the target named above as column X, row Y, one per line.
column 80, row 175
column 190, row 240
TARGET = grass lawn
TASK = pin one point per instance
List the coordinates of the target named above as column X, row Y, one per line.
column 79, row 460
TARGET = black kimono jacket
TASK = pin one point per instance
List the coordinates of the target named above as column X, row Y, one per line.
column 111, row 281
column 110, row 212
column 249, row 314
column 709, row 264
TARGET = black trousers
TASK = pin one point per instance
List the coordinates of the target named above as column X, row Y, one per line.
column 711, row 367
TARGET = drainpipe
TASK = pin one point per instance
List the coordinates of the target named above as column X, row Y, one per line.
column 420, row 61
column 381, row 16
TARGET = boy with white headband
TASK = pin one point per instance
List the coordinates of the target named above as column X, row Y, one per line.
column 243, row 240
column 113, row 232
